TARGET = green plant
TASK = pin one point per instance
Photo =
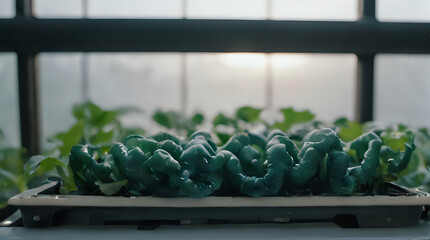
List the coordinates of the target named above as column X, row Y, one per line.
column 253, row 165
column 93, row 124
column 13, row 179
column 178, row 122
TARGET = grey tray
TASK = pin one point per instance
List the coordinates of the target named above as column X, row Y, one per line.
column 42, row 207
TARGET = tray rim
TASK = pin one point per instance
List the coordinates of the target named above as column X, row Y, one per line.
column 35, row 197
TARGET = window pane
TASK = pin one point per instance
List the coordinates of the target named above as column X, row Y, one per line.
column 239, row 9
column 403, row 10
column 315, row 9
column 60, row 88
column 322, row 83
column 402, row 89
column 223, row 82
column 7, row 8
column 9, row 105
column 135, row 9
column 58, row 8
column 145, row 81
column 109, row 8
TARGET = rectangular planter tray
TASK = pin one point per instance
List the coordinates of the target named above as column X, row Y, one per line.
column 42, row 207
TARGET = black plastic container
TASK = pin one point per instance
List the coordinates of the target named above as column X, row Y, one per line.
column 43, row 207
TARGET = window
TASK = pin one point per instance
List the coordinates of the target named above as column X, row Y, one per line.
column 7, row 8
column 9, row 119
column 402, row 89
column 337, row 10
column 403, row 10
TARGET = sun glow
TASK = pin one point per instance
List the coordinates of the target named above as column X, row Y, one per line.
column 260, row 60
column 244, row 60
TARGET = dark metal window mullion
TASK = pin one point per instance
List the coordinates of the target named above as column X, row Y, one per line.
column 365, row 69
column 28, row 89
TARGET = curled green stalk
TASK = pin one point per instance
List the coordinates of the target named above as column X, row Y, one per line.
column 89, row 168
column 400, row 160
column 151, row 165
column 250, row 149
column 164, row 165
column 256, row 173
column 131, row 162
column 201, row 167
column 338, row 174
column 367, row 147
column 278, row 162
column 161, row 174
column 317, row 144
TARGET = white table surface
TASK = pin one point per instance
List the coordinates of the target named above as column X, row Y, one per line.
column 232, row 231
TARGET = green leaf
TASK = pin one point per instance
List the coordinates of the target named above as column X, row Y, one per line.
column 68, row 180
column 70, row 138
column 127, row 131
column 8, row 186
column 12, row 159
column 341, row 122
column 94, row 115
column 292, row 117
column 221, row 119
column 395, row 140
column 111, row 188
column 102, row 137
column 40, row 165
column 104, row 118
column 249, row 114
column 223, row 137
column 197, row 119
column 163, row 118
column 349, row 130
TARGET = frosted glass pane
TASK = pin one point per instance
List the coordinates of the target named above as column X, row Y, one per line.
column 7, row 8
column 315, row 9
column 135, row 9
column 403, row 10
column 9, row 105
column 402, row 89
column 223, row 82
column 58, row 8
column 239, row 9
column 322, row 83
column 145, row 81
column 60, row 88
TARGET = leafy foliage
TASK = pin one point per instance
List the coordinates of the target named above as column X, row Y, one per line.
column 102, row 127
column 93, row 124
column 178, row 122
column 292, row 117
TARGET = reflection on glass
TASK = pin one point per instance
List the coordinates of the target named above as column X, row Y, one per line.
column 322, row 83
column 9, row 105
column 402, row 89
column 403, row 10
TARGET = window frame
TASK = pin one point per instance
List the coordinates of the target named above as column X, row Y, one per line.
column 366, row 37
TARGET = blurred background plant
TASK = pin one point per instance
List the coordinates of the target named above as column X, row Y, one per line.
column 92, row 125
